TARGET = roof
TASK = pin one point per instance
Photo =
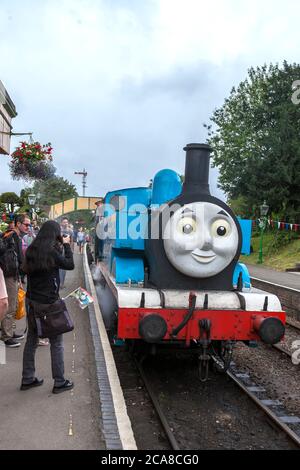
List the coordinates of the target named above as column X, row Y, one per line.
column 7, row 101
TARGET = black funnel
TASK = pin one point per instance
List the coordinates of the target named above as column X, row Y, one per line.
column 196, row 179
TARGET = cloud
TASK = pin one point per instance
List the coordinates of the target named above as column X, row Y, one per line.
column 120, row 86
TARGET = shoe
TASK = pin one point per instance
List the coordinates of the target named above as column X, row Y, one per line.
column 68, row 385
column 11, row 343
column 43, row 342
column 18, row 337
column 35, row 383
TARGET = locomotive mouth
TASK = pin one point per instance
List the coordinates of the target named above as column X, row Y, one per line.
column 203, row 257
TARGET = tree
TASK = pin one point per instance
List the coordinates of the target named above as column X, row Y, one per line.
column 256, row 140
column 11, row 200
column 24, row 204
column 240, row 207
column 54, row 190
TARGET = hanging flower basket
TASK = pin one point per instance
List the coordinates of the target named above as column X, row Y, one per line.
column 32, row 161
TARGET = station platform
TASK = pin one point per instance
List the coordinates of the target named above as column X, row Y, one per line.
column 290, row 280
column 83, row 418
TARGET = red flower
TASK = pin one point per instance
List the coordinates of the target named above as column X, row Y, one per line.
column 32, row 152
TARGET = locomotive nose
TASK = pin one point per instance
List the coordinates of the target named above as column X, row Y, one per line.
column 152, row 328
column 270, row 330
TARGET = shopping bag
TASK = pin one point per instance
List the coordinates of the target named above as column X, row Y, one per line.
column 51, row 319
column 21, row 311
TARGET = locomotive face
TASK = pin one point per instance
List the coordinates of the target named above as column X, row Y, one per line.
column 200, row 239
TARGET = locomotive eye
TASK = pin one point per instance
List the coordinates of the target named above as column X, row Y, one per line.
column 220, row 228
column 187, row 225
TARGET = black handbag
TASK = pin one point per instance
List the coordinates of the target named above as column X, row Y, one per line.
column 51, row 319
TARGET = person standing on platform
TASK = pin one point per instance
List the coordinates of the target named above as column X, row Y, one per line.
column 98, row 247
column 48, row 253
column 26, row 242
column 28, row 239
column 3, row 296
column 65, row 232
column 13, row 277
column 80, row 239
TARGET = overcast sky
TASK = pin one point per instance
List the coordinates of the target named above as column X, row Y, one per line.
column 120, row 86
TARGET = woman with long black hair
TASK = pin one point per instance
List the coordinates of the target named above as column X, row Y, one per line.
column 44, row 258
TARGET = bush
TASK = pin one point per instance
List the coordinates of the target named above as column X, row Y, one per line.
column 281, row 239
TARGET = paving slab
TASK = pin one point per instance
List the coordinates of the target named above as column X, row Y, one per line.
column 281, row 278
column 38, row 419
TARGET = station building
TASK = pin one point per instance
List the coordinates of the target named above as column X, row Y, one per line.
column 7, row 113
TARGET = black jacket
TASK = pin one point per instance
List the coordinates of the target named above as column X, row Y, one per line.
column 43, row 286
column 18, row 246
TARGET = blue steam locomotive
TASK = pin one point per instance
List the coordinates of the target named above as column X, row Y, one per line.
column 169, row 266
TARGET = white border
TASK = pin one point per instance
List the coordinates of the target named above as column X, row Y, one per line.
column 277, row 285
column 123, row 421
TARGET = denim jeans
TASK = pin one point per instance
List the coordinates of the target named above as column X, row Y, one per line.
column 56, row 350
column 62, row 276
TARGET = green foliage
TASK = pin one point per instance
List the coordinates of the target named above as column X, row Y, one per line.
column 3, row 227
column 281, row 239
column 241, row 207
column 256, row 141
column 274, row 256
column 11, row 200
column 24, row 204
column 54, row 190
column 2, row 207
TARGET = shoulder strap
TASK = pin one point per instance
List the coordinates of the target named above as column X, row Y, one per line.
column 8, row 234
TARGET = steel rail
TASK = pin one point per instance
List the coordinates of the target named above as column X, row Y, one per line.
column 281, row 349
column 291, row 323
column 157, row 407
column 292, row 435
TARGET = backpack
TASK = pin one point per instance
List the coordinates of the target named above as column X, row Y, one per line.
column 8, row 256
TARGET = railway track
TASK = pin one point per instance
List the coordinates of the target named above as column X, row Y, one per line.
column 273, row 409
column 279, row 347
column 162, row 417
column 289, row 424
column 293, row 324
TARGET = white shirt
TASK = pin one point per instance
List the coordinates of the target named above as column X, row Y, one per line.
column 3, row 291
